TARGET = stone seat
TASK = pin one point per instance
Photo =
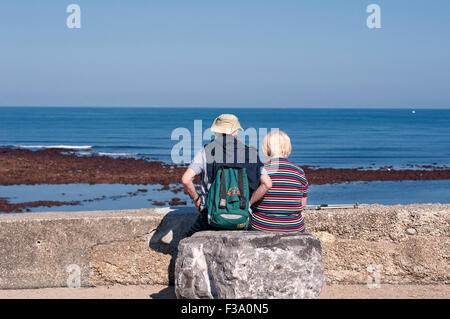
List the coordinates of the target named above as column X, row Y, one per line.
column 250, row 265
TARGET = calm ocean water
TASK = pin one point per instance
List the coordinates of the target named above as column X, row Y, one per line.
column 117, row 196
column 320, row 137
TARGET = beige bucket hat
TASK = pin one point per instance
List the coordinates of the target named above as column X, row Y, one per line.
column 226, row 124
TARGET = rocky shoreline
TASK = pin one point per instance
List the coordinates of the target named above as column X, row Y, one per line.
column 58, row 166
column 62, row 166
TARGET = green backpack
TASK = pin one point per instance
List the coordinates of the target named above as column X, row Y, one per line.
column 228, row 199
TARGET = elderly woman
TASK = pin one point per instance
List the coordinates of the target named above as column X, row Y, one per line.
column 280, row 210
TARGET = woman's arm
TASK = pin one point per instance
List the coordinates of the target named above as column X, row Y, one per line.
column 264, row 186
column 303, row 188
column 304, row 199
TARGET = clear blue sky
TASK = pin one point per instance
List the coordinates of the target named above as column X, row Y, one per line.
column 239, row 53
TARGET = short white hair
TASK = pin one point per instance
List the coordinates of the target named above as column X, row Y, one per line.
column 277, row 144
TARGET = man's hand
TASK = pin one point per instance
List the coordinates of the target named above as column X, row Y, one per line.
column 197, row 204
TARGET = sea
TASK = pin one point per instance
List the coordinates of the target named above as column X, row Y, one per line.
column 319, row 137
column 339, row 138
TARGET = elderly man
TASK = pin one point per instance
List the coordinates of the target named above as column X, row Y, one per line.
column 224, row 150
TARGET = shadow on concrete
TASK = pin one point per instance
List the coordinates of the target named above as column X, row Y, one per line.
column 166, row 293
column 170, row 231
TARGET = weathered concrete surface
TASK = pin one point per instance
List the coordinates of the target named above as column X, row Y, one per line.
column 407, row 243
column 249, row 265
column 410, row 243
column 108, row 246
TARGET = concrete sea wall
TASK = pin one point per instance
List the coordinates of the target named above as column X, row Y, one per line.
column 397, row 244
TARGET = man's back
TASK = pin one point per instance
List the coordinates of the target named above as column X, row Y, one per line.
column 226, row 151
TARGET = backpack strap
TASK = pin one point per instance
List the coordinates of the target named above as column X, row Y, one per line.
column 223, row 189
column 241, row 187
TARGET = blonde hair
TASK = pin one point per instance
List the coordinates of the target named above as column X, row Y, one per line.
column 277, row 144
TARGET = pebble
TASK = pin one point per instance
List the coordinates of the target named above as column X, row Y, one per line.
column 411, row 231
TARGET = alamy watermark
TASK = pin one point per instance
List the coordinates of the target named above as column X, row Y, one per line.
column 74, row 278
column 189, row 142
column 374, row 277
column 374, row 19
column 73, row 21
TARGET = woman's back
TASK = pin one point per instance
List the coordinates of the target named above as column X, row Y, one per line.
column 281, row 207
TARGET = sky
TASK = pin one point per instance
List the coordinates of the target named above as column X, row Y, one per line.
column 225, row 53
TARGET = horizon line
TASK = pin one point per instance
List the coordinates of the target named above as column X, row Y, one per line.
column 234, row 107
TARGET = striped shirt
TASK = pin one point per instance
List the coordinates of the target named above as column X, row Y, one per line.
column 280, row 209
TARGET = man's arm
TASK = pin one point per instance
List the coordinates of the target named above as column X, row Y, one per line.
column 264, row 186
column 188, row 183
